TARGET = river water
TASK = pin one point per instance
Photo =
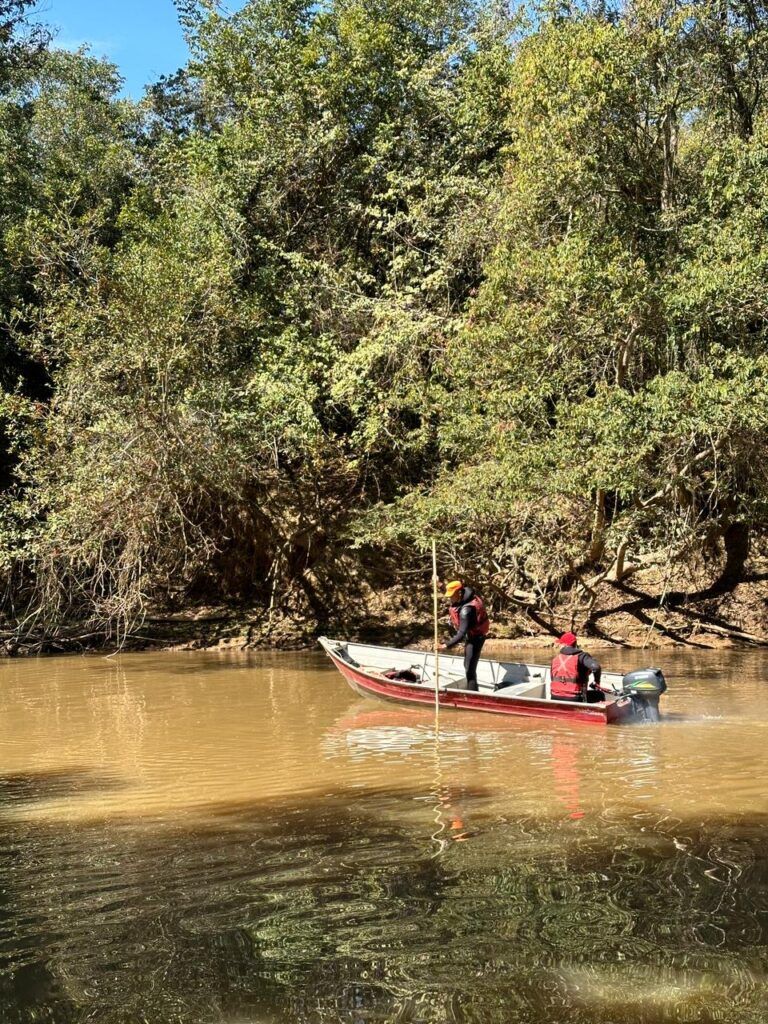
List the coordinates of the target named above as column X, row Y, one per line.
column 210, row 838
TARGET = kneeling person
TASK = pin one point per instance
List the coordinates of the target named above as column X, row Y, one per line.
column 470, row 620
column 570, row 673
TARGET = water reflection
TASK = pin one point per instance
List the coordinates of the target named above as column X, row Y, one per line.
column 284, row 912
column 249, row 842
column 567, row 775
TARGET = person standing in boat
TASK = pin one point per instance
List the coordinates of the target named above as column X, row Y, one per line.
column 470, row 622
column 570, row 673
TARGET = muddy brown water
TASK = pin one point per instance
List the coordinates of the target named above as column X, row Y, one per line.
column 240, row 839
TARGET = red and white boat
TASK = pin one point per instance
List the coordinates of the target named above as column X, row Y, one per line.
column 504, row 688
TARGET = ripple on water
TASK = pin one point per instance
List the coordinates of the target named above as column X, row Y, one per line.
column 253, row 844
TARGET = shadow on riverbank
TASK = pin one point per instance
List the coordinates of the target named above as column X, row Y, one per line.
column 708, row 608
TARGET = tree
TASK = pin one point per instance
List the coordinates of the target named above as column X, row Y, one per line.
column 613, row 415
column 363, row 273
column 209, row 336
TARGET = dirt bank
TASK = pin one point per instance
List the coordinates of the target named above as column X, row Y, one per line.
column 691, row 607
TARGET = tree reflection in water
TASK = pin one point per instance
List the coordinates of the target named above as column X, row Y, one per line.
column 341, row 912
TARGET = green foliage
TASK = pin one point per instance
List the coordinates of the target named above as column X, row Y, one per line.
column 367, row 273
column 614, row 407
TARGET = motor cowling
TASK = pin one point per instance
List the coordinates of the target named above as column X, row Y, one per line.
column 645, row 686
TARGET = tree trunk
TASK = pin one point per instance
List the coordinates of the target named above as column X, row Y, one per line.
column 597, row 544
column 736, row 541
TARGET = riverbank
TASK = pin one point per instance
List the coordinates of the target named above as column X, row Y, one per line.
column 694, row 607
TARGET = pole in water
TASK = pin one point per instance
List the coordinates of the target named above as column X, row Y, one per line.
column 437, row 634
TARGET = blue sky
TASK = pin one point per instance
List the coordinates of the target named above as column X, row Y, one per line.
column 142, row 37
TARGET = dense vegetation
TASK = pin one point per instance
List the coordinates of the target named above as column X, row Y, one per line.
column 365, row 273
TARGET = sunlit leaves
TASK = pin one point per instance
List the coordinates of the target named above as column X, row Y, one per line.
column 376, row 271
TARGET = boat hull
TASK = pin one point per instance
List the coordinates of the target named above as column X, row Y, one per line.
column 370, row 684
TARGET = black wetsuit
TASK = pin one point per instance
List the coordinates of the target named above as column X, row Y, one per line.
column 474, row 644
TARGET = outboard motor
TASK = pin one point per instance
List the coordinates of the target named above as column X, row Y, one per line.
column 645, row 687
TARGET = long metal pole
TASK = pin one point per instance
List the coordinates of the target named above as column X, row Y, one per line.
column 437, row 633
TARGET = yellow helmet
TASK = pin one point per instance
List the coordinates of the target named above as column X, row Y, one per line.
column 452, row 587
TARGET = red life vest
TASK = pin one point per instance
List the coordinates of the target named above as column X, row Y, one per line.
column 566, row 681
column 482, row 625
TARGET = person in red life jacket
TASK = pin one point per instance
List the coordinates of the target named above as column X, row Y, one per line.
column 470, row 622
column 570, row 673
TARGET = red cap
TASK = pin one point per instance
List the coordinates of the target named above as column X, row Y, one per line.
column 567, row 640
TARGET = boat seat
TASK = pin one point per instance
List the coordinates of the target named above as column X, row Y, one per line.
column 537, row 690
